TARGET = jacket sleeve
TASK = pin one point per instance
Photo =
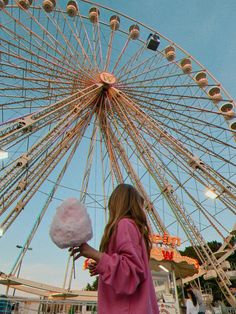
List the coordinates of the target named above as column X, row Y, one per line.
column 125, row 269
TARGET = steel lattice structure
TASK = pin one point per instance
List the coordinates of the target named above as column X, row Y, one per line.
column 81, row 82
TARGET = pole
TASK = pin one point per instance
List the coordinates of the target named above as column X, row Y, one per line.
column 176, row 292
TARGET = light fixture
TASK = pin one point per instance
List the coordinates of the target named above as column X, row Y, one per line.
column 211, row 194
column 1, row 232
column 3, row 154
column 163, row 268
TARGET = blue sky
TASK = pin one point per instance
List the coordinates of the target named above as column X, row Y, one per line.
column 205, row 29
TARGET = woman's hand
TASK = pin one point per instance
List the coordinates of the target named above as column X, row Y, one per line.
column 86, row 251
column 92, row 268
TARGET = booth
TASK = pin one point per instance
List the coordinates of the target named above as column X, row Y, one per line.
column 168, row 265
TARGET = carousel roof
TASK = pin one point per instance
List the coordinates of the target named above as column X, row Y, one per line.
column 172, row 260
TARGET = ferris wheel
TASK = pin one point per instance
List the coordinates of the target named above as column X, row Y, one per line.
column 91, row 98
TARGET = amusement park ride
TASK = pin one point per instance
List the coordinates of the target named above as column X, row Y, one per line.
column 86, row 83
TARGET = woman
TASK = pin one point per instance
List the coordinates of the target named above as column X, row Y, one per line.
column 192, row 306
column 125, row 282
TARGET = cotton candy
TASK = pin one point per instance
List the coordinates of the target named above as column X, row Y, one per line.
column 71, row 225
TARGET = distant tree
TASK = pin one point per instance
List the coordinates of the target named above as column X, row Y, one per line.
column 88, row 287
column 214, row 246
column 93, row 286
column 190, row 251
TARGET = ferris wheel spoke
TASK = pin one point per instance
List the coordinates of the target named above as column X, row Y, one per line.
column 128, row 68
column 152, row 72
column 73, row 53
column 183, row 123
column 159, row 76
column 67, row 49
column 26, row 100
column 21, row 43
column 220, row 178
column 54, row 45
column 179, row 96
column 34, row 121
column 108, row 141
column 218, row 181
column 204, row 180
column 36, row 72
column 115, row 171
column 120, row 55
column 153, row 107
column 98, row 44
column 45, row 65
column 44, row 209
column 20, row 88
column 135, row 179
column 41, row 171
column 139, row 142
column 34, row 79
column 89, row 159
column 40, row 61
column 22, row 167
column 164, row 75
column 128, row 126
column 103, row 174
column 109, row 50
column 199, row 204
column 13, row 172
column 132, row 60
column 181, row 117
column 178, row 162
column 182, row 106
column 74, row 31
column 145, row 70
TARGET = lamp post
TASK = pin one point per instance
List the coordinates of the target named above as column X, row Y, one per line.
column 19, row 269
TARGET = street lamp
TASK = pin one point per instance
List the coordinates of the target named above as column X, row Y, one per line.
column 21, row 247
column 18, row 272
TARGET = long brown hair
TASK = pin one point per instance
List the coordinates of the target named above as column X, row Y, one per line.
column 125, row 201
column 192, row 297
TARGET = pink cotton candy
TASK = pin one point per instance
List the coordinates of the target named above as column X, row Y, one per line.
column 71, row 225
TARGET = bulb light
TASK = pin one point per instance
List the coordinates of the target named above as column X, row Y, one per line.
column 1, row 232
column 163, row 268
column 211, row 194
column 3, row 154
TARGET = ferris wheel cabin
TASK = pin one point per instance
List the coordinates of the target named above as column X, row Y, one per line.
column 94, row 14
column 72, row 8
column 170, row 53
column 25, row 4
column 114, row 22
column 153, row 42
column 134, row 32
column 3, row 3
column 49, row 5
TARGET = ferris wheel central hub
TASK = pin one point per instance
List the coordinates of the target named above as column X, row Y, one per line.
column 107, row 78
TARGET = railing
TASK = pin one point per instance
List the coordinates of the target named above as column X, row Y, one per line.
column 229, row 310
column 9, row 305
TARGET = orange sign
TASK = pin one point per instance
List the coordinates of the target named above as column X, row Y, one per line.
column 168, row 255
column 165, row 239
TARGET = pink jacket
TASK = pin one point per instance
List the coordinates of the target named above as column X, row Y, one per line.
column 125, row 282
